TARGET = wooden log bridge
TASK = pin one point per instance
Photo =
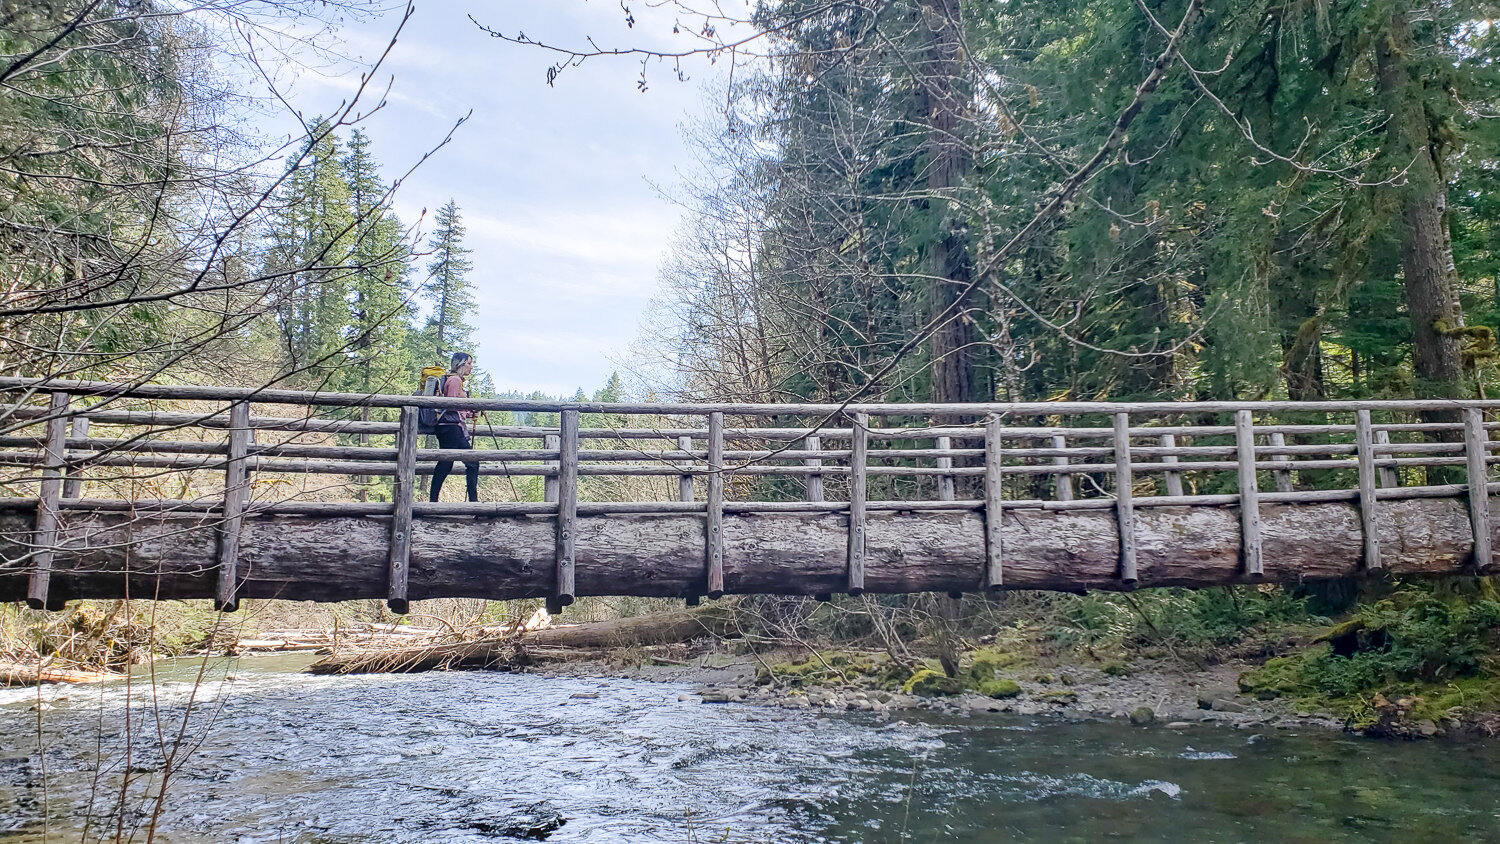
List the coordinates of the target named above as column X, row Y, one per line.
column 171, row 492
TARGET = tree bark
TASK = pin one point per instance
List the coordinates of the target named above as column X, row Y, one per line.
column 172, row 556
column 1431, row 279
column 941, row 102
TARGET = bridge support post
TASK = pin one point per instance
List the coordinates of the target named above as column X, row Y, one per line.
column 73, row 480
column 1062, row 482
column 1364, row 450
column 1476, row 443
column 1244, row 441
column 567, row 510
column 1125, row 500
column 45, row 539
column 236, row 497
column 1173, row 479
column 859, row 450
column 994, row 513
column 403, row 490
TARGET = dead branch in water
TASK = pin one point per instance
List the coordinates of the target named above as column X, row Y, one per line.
column 487, row 648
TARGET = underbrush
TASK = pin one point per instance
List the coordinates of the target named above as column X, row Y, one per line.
column 105, row 635
column 1421, row 653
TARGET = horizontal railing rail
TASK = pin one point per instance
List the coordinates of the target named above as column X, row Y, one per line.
column 122, row 444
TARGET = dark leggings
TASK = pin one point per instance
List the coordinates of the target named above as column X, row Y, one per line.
column 454, row 436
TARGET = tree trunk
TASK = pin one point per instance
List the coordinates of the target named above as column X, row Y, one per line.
column 1426, row 251
column 941, row 100
column 1431, row 280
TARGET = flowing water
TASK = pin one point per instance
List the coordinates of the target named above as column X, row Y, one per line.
column 282, row 757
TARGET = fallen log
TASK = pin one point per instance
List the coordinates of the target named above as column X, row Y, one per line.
column 563, row 642
column 320, row 558
column 20, row 674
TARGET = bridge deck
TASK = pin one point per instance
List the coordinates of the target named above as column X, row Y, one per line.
column 230, row 493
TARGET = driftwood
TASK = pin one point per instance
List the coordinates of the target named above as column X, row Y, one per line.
column 578, row 641
column 110, row 555
column 21, row 674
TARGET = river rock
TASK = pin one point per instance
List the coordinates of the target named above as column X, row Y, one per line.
column 1427, row 728
column 1179, row 725
column 1142, row 715
column 1226, row 705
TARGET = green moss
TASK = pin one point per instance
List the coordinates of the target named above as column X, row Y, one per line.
column 927, row 682
column 1059, row 696
column 1000, row 688
column 1117, row 669
column 1280, row 677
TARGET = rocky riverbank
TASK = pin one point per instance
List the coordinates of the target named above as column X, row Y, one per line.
column 1160, row 695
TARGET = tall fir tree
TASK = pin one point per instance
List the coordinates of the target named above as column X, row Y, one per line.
column 447, row 288
column 312, row 243
column 380, row 307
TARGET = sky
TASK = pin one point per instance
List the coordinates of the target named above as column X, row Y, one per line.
column 554, row 183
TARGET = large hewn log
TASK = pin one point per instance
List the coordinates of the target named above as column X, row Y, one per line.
column 171, row 555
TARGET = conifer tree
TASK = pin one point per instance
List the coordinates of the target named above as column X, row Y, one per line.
column 380, row 309
column 447, row 288
column 312, row 234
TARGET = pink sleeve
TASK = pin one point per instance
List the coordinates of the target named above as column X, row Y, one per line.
column 453, row 389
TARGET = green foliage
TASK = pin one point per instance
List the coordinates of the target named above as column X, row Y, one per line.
column 1411, row 639
column 1203, row 618
column 447, row 289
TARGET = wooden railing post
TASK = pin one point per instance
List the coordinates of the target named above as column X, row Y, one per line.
column 236, row 499
column 1244, row 442
column 403, row 493
column 714, row 525
column 994, row 514
column 1283, row 477
column 567, row 511
column 73, row 480
column 946, row 491
column 1173, row 479
column 859, row 445
column 1387, row 474
column 1062, row 482
column 45, row 542
column 685, row 487
column 1124, row 499
column 686, row 491
column 815, row 481
column 1364, row 450
column 549, row 483
column 1476, row 443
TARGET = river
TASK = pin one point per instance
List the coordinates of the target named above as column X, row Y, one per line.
column 479, row 756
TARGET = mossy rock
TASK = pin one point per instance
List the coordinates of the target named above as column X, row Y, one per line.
column 985, row 663
column 1280, row 677
column 927, row 682
column 1117, row 669
column 1059, row 696
column 1000, row 688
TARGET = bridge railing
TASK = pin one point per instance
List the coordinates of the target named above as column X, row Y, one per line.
column 78, row 449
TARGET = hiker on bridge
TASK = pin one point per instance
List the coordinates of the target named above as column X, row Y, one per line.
column 453, row 428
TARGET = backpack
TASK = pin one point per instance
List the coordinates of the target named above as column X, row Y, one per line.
column 427, row 417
